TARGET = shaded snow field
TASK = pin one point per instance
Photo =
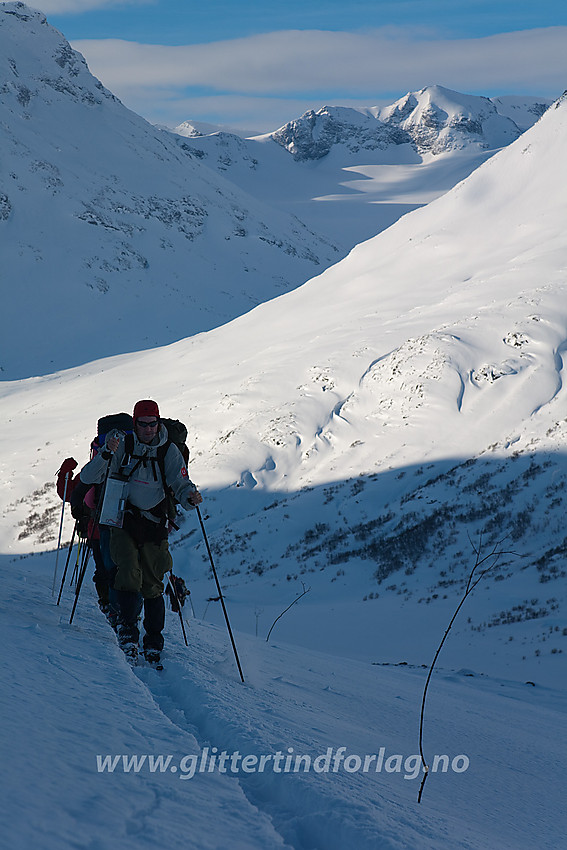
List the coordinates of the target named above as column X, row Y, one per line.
column 97, row 712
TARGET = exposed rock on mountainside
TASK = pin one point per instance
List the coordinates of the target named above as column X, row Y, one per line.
column 434, row 120
column 314, row 134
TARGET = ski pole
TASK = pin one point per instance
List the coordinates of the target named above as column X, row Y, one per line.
column 77, row 560
column 60, row 532
column 81, row 573
column 71, row 544
column 173, row 590
column 221, row 597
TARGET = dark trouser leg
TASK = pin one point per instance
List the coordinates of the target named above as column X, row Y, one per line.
column 154, row 621
column 156, row 561
column 141, row 567
column 127, row 584
column 100, row 578
column 129, row 611
column 111, row 569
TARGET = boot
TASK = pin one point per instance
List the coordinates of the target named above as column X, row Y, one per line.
column 128, row 612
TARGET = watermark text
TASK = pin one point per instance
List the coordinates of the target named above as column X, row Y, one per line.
column 334, row 760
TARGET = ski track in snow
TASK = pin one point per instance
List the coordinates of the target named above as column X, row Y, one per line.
column 291, row 699
column 350, row 811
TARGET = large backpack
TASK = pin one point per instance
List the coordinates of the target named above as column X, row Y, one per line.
column 71, row 486
column 177, row 433
column 114, row 422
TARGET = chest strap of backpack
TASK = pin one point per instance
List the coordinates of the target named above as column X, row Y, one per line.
column 141, row 460
column 159, row 461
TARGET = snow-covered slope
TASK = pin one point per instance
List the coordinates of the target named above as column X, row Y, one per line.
column 368, row 424
column 522, row 110
column 313, row 751
column 351, row 173
column 112, row 233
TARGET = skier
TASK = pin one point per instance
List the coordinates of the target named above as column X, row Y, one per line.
column 149, row 464
column 82, row 499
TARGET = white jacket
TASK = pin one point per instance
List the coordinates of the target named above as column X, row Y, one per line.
column 145, row 486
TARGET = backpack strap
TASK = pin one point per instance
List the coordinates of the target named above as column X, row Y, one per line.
column 128, row 449
column 158, row 461
column 160, row 458
column 161, row 453
column 129, row 455
column 169, row 497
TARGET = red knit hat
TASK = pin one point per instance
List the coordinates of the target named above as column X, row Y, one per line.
column 145, row 408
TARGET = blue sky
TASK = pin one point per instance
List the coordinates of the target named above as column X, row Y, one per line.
column 258, row 64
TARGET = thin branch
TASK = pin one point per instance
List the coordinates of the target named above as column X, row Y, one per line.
column 287, row 609
column 494, row 554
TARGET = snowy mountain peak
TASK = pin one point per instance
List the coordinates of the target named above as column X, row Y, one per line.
column 41, row 62
column 433, row 120
column 438, row 120
column 366, row 437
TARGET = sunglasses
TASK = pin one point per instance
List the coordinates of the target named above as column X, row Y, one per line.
column 151, row 424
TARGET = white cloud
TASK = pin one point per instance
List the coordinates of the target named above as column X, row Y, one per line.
column 302, row 61
column 273, row 70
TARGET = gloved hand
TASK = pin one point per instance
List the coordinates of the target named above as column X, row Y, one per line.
column 68, row 465
column 111, row 444
column 194, row 499
column 65, row 478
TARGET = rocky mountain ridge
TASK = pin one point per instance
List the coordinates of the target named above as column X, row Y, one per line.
column 434, row 120
column 351, row 173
